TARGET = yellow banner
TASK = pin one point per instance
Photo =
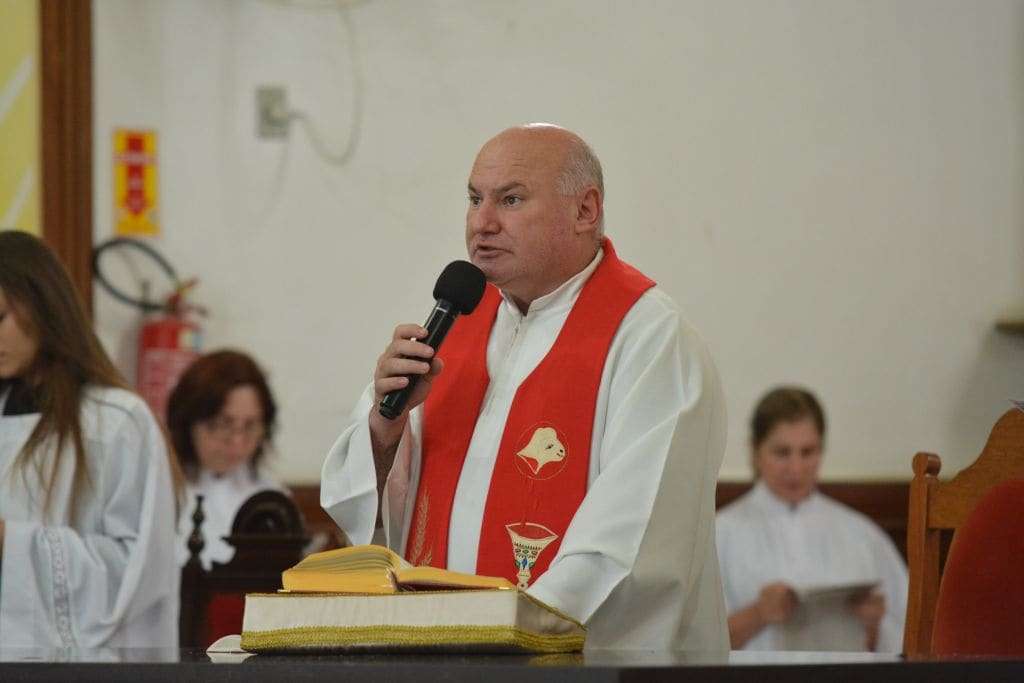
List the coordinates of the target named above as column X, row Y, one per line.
column 135, row 183
column 19, row 115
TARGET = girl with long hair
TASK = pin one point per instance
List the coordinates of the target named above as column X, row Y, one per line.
column 87, row 481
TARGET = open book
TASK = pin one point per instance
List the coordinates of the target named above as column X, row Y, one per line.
column 368, row 599
column 378, row 570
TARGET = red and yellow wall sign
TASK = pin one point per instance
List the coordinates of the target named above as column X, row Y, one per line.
column 135, row 183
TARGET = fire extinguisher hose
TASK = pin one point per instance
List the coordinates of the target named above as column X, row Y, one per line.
column 148, row 251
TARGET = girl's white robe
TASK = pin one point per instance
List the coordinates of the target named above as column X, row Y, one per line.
column 107, row 576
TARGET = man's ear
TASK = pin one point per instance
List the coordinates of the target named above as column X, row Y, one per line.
column 589, row 209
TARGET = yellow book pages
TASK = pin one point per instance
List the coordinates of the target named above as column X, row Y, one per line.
column 333, row 582
column 428, row 578
column 354, row 556
column 358, row 569
column 375, row 569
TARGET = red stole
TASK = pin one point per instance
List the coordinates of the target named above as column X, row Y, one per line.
column 540, row 475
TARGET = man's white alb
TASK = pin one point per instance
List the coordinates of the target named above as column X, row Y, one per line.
column 108, row 576
column 638, row 563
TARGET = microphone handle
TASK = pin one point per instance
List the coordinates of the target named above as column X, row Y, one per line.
column 438, row 323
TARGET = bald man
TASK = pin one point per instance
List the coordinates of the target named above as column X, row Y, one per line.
column 569, row 432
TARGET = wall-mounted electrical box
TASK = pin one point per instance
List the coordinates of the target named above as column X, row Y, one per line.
column 271, row 111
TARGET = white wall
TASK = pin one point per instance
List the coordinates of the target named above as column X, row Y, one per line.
column 832, row 191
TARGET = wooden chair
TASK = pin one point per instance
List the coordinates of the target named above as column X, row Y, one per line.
column 938, row 508
column 268, row 535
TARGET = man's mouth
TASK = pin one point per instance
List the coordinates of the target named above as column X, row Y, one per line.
column 486, row 251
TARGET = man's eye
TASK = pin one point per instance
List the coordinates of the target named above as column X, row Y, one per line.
column 512, row 200
column 474, row 201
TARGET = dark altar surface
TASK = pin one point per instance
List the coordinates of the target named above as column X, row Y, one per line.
column 155, row 665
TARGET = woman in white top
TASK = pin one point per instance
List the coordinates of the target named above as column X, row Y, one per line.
column 784, row 535
column 222, row 417
column 87, row 486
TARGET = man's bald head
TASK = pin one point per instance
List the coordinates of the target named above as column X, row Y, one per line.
column 535, row 210
column 577, row 164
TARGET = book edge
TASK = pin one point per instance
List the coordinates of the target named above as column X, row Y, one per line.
column 412, row 637
column 515, row 591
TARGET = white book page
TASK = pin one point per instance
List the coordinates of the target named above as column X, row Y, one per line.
column 827, row 591
column 823, row 620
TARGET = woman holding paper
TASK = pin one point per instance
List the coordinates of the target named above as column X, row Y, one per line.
column 784, row 539
column 87, row 486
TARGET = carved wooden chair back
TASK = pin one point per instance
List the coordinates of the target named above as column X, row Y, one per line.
column 940, row 507
column 269, row 536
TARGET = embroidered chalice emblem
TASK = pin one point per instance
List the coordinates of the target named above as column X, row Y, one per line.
column 528, row 542
column 544, row 447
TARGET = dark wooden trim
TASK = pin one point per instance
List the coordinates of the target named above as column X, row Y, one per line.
column 65, row 49
column 307, row 499
column 885, row 502
column 1010, row 325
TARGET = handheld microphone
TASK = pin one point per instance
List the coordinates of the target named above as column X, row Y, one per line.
column 458, row 290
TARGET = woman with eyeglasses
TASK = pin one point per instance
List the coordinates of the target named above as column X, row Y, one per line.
column 221, row 416
column 87, row 484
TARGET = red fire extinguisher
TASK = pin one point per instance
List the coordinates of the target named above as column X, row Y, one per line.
column 169, row 340
column 168, row 343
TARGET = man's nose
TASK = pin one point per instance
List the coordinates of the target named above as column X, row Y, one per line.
column 484, row 218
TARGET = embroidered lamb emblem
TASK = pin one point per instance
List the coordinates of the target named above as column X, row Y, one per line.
column 544, row 447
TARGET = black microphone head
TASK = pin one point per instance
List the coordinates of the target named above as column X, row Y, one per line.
column 462, row 284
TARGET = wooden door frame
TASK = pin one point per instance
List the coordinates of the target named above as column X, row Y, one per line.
column 65, row 49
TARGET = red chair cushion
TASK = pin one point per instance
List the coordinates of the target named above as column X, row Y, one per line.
column 980, row 610
column 223, row 616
